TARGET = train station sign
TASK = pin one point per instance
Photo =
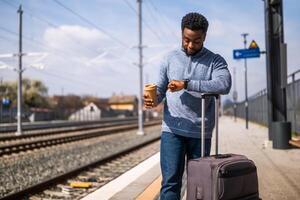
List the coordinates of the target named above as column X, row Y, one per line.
column 252, row 52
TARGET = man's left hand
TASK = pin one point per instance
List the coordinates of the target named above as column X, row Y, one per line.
column 175, row 85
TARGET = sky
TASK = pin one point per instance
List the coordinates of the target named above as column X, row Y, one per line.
column 90, row 47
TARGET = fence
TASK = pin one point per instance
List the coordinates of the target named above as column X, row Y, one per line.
column 258, row 105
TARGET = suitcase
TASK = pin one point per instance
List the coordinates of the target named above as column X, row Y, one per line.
column 221, row 176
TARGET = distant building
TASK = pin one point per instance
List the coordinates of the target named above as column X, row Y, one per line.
column 102, row 103
column 40, row 114
column 126, row 105
column 87, row 113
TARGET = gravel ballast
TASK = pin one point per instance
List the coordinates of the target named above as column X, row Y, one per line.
column 20, row 171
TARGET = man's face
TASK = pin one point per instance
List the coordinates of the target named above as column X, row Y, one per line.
column 192, row 41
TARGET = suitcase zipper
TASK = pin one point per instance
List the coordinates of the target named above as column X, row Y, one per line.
column 234, row 173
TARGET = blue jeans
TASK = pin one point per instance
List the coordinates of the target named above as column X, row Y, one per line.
column 173, row 149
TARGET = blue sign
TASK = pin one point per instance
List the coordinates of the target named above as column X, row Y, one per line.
column 5, row 101
column 246, row 53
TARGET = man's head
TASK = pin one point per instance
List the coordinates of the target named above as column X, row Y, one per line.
column 194, row 27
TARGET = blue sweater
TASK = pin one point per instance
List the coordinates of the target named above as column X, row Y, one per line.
column 208, row 73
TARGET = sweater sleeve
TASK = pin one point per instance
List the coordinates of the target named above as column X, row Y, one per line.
column 220, row 82
column 163, row 80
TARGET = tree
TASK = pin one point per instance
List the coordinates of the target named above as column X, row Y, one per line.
column 34, row 93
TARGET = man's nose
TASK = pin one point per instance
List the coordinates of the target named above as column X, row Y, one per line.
column 190, row 45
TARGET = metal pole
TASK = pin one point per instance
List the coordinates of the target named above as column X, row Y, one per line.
column 147, row 117
column 140, row 131
column 19, row 113
column 246, row 85
column 234, row 93
column 203, row 126
column 294, row 101
column 217, row 101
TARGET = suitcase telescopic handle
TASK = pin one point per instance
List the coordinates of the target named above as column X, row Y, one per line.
column 217, row 99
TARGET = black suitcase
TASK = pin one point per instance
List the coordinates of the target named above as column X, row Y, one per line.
column 221, row 176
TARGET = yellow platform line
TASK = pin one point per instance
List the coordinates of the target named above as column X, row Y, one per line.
column 295, row 143
column 151, row 192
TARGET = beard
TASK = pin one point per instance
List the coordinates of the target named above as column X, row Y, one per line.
column 191, row 52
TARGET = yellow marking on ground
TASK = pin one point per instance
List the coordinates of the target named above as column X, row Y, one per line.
column 81, row 184
column 151, row 191
column 295, row 143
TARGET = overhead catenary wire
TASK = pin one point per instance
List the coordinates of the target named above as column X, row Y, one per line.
column 157, row 21
column 29, row 12
column 45, row 45
column 8, row 3
column 31, row 39
column 144, row 21
column 117, row 40
column 41, row 44
column 27, row 39
column 6, row 39
column 162, row 17
column 92, row 24
column 64, row 78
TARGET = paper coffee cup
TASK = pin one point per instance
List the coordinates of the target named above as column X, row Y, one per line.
column 150, row 90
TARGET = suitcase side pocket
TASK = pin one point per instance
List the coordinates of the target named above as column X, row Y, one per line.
column 237, row 180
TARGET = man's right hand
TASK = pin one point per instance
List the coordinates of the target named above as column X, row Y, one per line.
column 148, row 102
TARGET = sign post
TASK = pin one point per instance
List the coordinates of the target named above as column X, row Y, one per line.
column 252, row 52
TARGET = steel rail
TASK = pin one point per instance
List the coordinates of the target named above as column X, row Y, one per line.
column 46, row 142
column 41, row 132
column 56, row 124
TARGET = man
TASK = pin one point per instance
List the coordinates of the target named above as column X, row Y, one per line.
column 185, row 74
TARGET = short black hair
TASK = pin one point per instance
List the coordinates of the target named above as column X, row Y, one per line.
column 194, row 21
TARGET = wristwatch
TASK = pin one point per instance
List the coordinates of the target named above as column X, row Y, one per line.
column 186, row 81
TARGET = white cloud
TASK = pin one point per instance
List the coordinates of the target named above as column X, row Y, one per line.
column 85, row 56
column 76, row 40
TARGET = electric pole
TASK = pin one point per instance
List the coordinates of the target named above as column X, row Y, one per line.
column 20, row 71
column 246, row 85
column 140, row 47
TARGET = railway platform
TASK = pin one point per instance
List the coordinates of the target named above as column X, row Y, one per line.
column 278, row 170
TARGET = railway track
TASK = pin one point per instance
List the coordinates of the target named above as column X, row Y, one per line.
column 11, row 128
column 113, row 164
column 54, row 138
column 5, row 137
column 53, row 128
